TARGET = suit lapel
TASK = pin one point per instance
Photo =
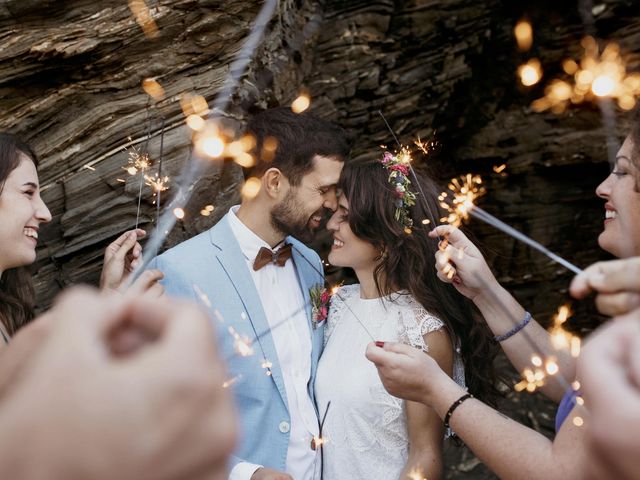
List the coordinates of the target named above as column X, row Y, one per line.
column 309, row 276
column 232, row 261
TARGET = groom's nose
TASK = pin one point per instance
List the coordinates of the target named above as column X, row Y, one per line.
column 331, row 200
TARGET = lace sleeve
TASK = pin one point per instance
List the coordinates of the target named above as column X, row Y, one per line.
column 337, row 308
column 414, row 322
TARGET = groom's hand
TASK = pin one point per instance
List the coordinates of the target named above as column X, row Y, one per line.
column 270, row 474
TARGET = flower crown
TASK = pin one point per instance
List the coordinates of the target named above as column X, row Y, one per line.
column 398, row 167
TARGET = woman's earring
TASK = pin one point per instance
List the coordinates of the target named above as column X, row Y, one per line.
column 383, row 254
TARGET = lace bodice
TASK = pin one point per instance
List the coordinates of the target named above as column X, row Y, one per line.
column 365, row 428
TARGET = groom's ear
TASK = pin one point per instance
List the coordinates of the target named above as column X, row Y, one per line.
column 274, row 182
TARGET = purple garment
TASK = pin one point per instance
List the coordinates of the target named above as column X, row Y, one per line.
column 564, row 409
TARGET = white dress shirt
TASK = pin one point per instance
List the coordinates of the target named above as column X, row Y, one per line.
column 284, row 308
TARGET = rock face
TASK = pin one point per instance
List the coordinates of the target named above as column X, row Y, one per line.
column 70, row 84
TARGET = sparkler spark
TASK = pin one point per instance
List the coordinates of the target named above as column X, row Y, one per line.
column 179, row 213
column 524, row 35
column 530, row 73
column 301, row 103
column 428, row 147
column 251, row 187
column 532, row 380
column 143, row 16
column 597, row 75
column 153, row 89
column 465, row 190
column 231, row 381
column 561, row 339
column 242, row 345
column 157, row 184
column 416, row 474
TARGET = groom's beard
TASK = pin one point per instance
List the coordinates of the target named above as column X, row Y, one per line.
column 289, row 219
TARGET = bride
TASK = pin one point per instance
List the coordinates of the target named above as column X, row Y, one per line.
column 379, row 232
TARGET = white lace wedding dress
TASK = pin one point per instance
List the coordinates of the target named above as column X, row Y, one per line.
column 365, row 429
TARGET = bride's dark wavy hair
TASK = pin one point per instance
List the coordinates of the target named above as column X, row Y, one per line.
column 408, row 263
column 17, row 296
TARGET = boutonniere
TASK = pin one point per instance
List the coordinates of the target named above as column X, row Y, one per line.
column 320, row 299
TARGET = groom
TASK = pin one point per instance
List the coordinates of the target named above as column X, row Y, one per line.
column 257, row 274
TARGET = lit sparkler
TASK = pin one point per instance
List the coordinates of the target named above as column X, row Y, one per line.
column 157, row 183
column 597, row 75
column 196, row 164
column 464, row 192
column 138, row 162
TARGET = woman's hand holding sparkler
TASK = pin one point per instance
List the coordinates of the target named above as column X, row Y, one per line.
column 120, row 259
column 409, row 373
column 460, row 263
column 617, row 283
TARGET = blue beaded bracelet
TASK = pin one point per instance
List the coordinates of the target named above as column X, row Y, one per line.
column 514, row 330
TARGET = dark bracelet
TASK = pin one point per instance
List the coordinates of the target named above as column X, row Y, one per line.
column 453, row 407
column 525, row 321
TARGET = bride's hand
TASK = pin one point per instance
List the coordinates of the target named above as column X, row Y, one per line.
column 407, row 372
column 461, row 263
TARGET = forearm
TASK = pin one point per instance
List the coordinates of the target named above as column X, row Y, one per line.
column 509, row 449
column 423, row 463
column 502, row 312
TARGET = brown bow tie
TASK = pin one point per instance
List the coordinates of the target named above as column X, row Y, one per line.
column 266, row 256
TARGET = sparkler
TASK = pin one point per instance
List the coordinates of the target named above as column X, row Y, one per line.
column 138, row 163
column 195, row 164
column 596, row 76
column 464, row 192
column 408, row 163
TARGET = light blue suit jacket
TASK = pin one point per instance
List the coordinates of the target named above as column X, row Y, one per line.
column 213, row 263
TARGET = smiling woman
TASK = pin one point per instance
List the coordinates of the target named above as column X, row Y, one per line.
column 621, row 234
column 21, row 213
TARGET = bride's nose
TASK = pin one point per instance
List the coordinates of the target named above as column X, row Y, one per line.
column 333, row 224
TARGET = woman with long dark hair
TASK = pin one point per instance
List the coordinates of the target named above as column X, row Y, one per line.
column 381, row 230
column 510, row 449
column 22, row 212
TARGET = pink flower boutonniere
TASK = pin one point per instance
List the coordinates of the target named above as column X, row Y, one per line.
column 320, row 299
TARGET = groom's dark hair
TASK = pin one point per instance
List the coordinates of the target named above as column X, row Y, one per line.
column 289, row 141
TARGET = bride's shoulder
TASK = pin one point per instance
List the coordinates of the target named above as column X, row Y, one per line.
column 416, row 317
column 344, row 292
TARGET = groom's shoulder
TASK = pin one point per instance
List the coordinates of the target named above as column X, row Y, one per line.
column 195, row 247
column 191, row 247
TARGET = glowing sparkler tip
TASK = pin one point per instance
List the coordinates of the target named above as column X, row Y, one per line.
column 603, row 85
